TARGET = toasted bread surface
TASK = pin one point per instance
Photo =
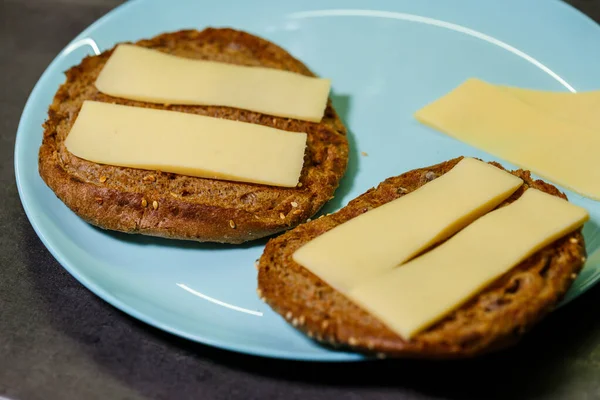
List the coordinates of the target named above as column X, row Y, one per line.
column 493, row 319
column 184, row 207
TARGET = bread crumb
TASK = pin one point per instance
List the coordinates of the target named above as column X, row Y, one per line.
column 310, row 334
column 232, row 224
column 173, row 194
column 370, row 345
column 288, row 315
column 294, row 204
column 295, row 322
column 155, row 204
column 259, row 293
column 296, row 212
column 144, row 203
column 583, row 259
column 102, row 179
column 281, row 215
column 299, row 184
column 301, row 320
column 573, row 276
column 352, row 341
column 99, row 200
column 573, row 240
column 364, row 153
column 256, row 264
column 308, row 220
column 324, row 324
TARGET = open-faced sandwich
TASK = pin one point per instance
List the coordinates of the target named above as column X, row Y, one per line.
column 452, row 260
column 215, row 136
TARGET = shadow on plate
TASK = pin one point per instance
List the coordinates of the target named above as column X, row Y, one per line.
column 343, row 105
column 144, row 240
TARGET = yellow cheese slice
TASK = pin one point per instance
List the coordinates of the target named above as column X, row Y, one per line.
column 138, row 73
column 491, row 119
column 391, row 234
column 186, row 144
column 579, row 108
column 412, row 297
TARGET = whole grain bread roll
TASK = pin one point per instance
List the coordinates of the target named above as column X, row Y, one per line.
column 495, row 318
column 183, row 207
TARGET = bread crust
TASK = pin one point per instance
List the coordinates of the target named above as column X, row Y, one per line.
column 182, row 207
column 494, row 319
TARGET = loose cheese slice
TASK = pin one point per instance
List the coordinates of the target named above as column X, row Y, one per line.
column 412, row 297
column 138, row 73
column 578, row 108
column 389, row 235
column 491, row 119
column 186, row 144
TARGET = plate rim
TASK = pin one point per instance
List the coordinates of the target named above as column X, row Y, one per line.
column 62, row 259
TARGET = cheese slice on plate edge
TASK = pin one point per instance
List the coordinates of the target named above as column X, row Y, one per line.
column 412, row 297
column 186, row 144
column 491, row 119
column 138, row 73
column 391, row 234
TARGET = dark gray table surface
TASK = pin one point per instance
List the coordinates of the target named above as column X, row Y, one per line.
column 59, row 341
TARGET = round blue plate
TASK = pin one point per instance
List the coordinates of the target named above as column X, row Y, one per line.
column 386, row 60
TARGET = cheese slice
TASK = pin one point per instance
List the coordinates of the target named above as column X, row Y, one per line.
column 578, row 108
column 391, row 234
column 412, row 297
column 137, row 73
column 493, row 120
column 186, row 144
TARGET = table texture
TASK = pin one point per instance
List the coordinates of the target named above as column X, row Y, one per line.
column 59, row 341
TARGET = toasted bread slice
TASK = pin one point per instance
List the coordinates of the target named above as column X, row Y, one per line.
column 493, row 319
column 183, row 207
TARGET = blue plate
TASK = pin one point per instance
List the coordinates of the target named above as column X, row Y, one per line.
column 385, row 62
